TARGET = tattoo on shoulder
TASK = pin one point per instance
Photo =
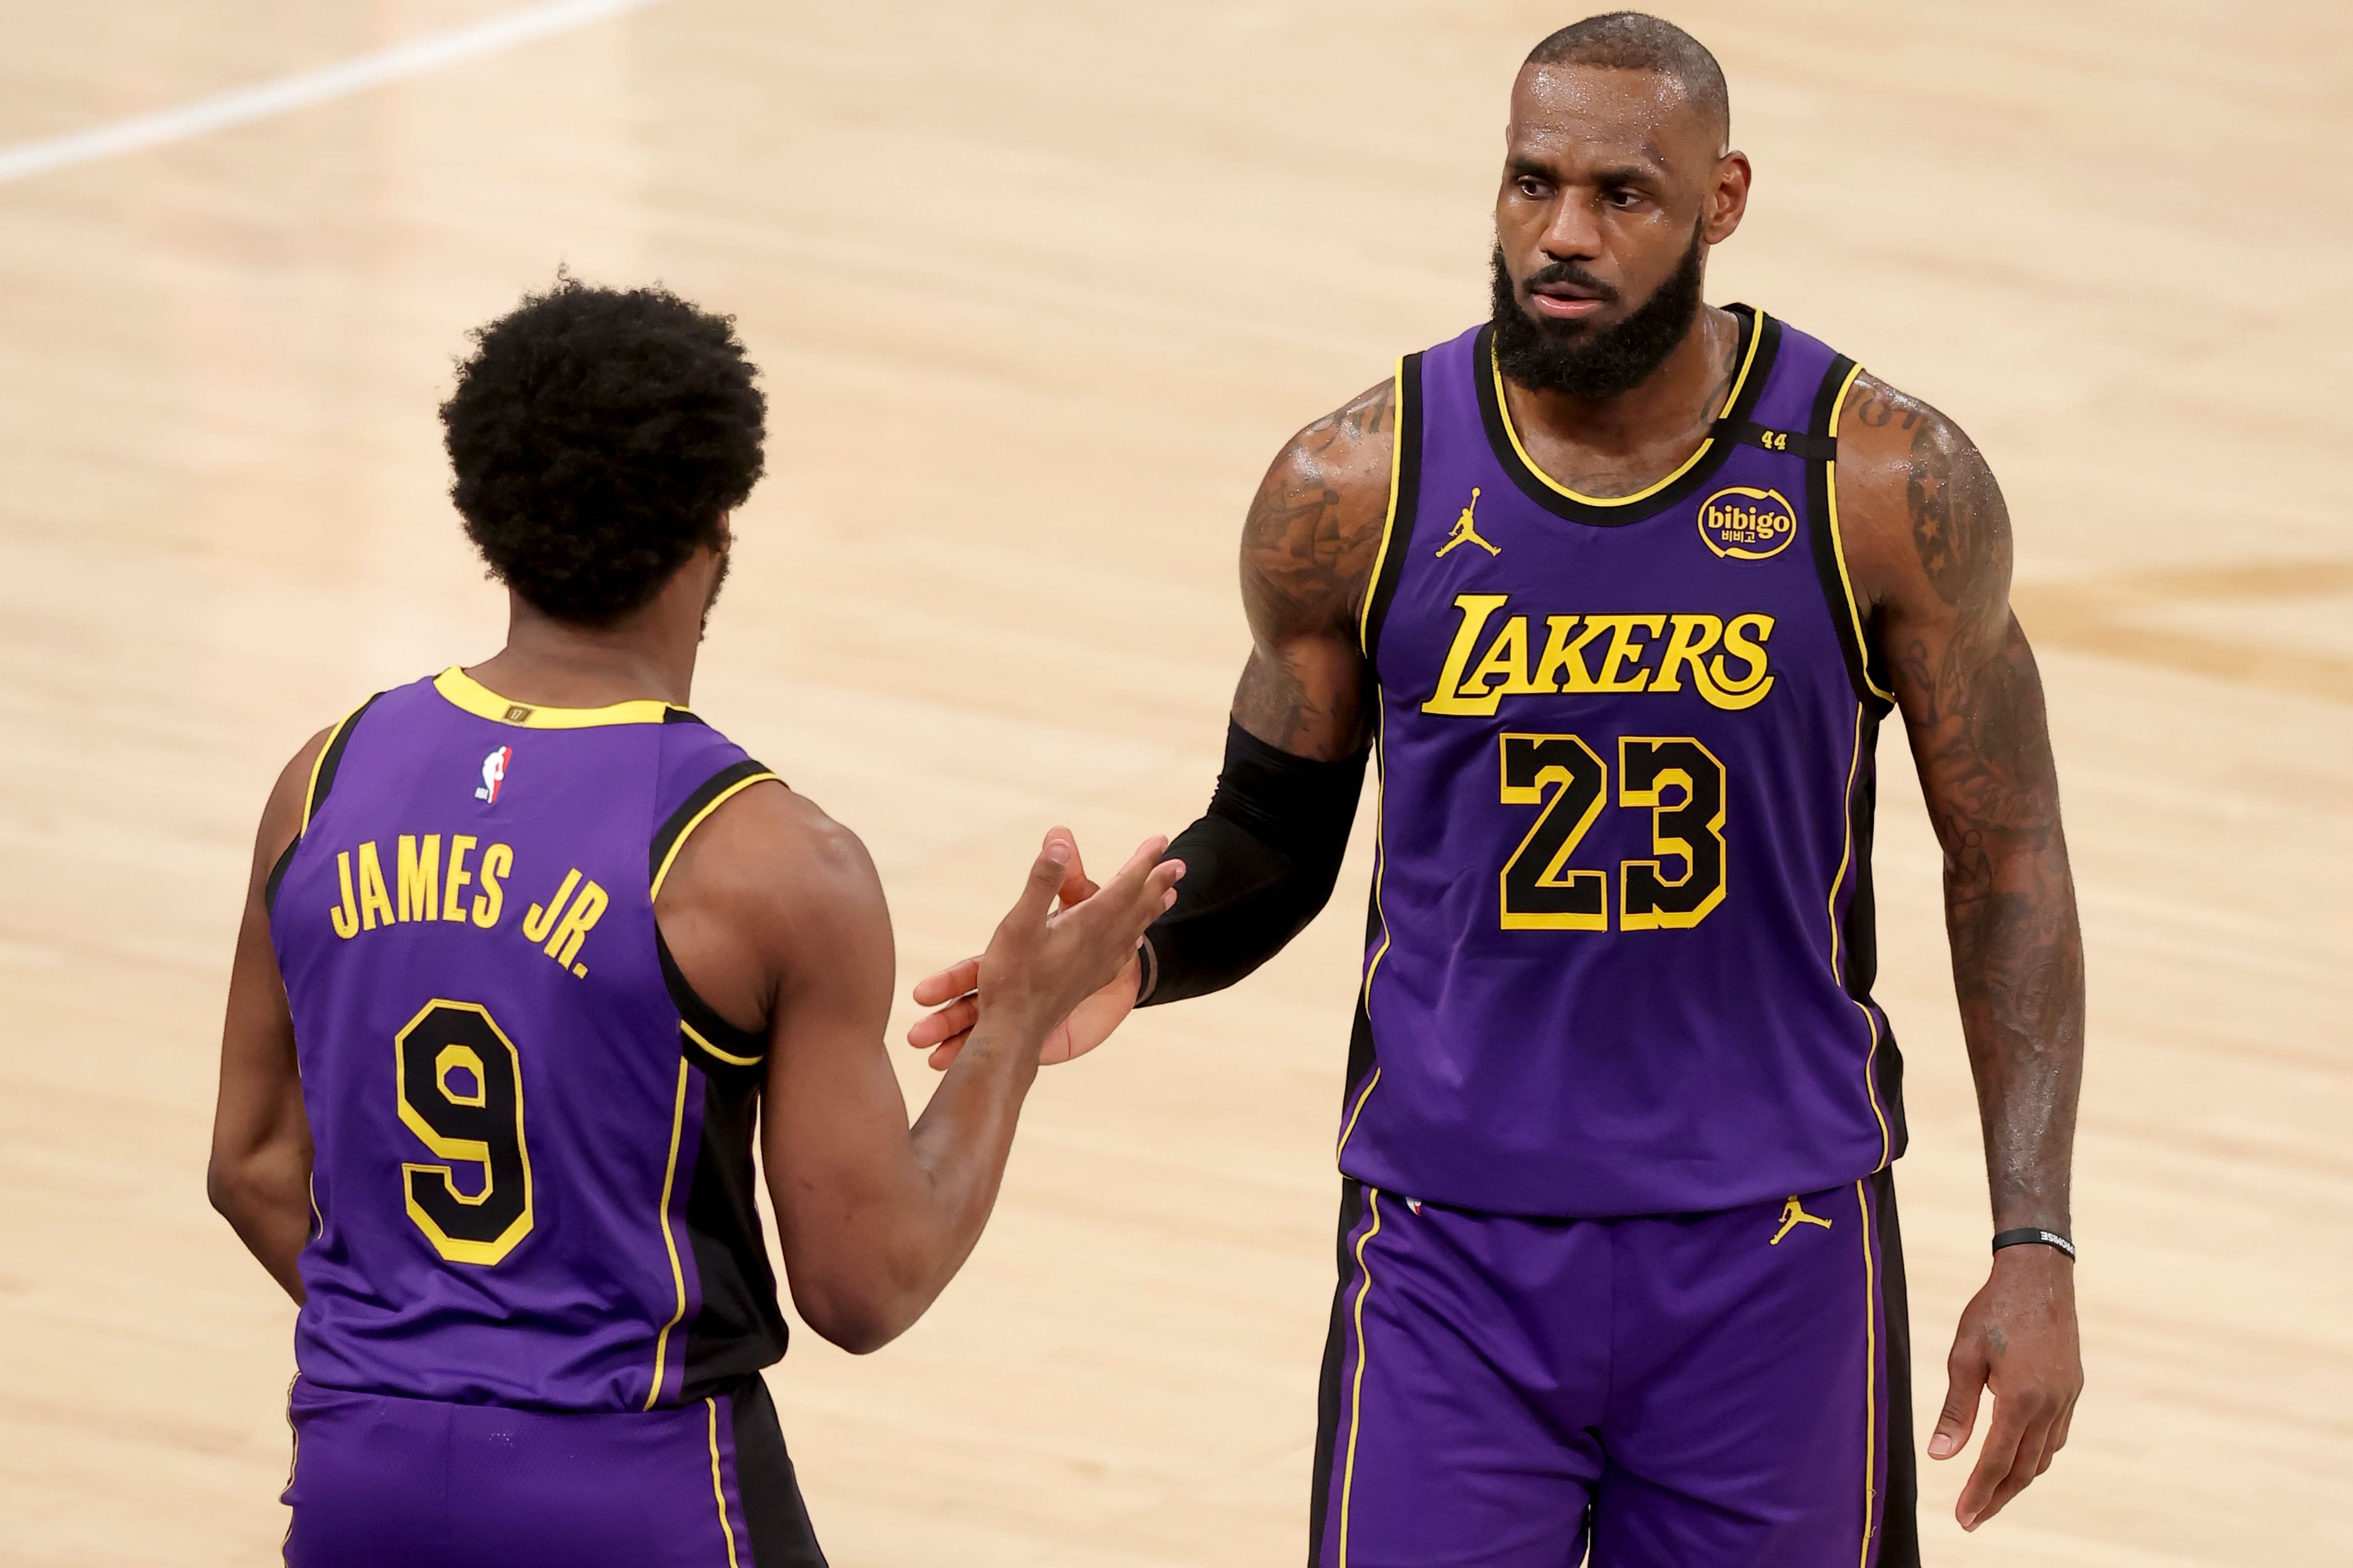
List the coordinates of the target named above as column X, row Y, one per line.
column 1959, row 523
column 1314, row 525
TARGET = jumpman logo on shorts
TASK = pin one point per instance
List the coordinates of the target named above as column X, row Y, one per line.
column 1466, row 532
column 1793, row 1215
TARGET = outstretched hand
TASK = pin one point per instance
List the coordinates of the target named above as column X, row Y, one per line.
column 955, row 992
column 2018, row 1338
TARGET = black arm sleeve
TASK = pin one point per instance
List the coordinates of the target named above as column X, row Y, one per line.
column 1258, row 868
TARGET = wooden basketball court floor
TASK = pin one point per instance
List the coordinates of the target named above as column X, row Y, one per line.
column 1038, row 289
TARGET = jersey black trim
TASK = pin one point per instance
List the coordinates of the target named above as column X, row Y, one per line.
column 1532, row 485
column 710, row 789
column 770, row 1493
column 1899, row 1502
column 682, row 716
column 322, row 779
column 1327, row 1393
column 1798, row 443
column 1865, row 669
column 1406, row 508
column 737, row 1327
column 700, row 1019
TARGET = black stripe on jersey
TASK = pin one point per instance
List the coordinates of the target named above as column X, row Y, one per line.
column 1864, row 665
column 738, row 1328
column 1398, row 529
column 681, row 716
column 1537, row 489
column 1795, row 442
column 705, row 1033
column 1859, row 938
column 1899, row 1503
column 322, row 779
column 681, row 819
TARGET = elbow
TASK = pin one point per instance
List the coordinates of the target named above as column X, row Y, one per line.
column 226, row 1189
column 858, row 1322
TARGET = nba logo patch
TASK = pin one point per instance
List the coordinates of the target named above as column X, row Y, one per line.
column 494, row 773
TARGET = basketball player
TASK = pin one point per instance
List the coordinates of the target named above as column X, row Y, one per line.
column 528, row 955
column 1617, row 588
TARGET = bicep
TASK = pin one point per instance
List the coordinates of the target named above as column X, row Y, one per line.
column 1307, row 560
column 260, row 1095
column 834, row 1132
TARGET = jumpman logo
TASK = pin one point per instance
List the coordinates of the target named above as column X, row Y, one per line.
column 1793, row 1215
column 1466, row 532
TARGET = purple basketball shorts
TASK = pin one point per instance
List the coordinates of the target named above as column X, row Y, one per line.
column 1722, row 1390
column 381, row 1482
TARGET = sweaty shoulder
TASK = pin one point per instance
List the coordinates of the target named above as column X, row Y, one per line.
column 1316, row 523
column 766, row 883
column 1922, row 517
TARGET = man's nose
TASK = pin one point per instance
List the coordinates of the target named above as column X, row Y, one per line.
column 1573, row 231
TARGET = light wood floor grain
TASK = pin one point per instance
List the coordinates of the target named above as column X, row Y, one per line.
column 1039, row 289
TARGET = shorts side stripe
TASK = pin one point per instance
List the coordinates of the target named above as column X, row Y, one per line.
column 1870, row 1377
column 1356, row 1388
column 718, row 1488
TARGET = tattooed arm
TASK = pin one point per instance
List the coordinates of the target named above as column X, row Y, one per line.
column 1929, row 544
column 1307, row 564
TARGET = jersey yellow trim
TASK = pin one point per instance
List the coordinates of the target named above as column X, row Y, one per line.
column 669, row 1238
column 1838, row 971
column 718, row 1488
column 1503, row 407
column 1350, row 1131
column 462, row 691
column 1838, row 542
column 1356, row 1391
column 661, row 872
column 729, row 1058
column 327, row 749
column 1388, row 521
column 1870, row 1377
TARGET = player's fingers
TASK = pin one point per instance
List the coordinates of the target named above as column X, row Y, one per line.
column 2058, row 1438
column 949, row 984
column 954, row 1019
column 1077, row 885
column 2022, row 1470
column 1964, row 1372
column 1044, row 881
column 2005, row 1434
column 947, row 1050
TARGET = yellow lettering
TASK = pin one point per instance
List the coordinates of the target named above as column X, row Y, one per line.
column 346, row 915
column 1748, row 691
column 373, row 897
column 1507, row 656
column 420, row 876
column 497, row 861
column 1450, row 698
column 453, row 908
column 563, row 943
column 1692, row 636
column 1561, row 665
column 1623, row 648
column 537, row 922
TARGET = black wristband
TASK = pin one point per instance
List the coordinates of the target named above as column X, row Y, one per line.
column 2034, row 1236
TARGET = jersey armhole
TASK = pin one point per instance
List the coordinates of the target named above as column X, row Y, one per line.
column 323, row 768
column 710, row 1041
column 1872, row 685
column 1405, row 506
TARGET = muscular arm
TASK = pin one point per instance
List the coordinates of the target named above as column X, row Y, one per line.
column 259, row 1174
column 1929, row 544
column 774, row 912
column 1307, row 564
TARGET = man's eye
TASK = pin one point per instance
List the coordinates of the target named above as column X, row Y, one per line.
column 1622, row 198
column 1533, row 189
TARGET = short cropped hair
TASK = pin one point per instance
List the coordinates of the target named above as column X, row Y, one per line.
column 1633, row 40
column 598, row 436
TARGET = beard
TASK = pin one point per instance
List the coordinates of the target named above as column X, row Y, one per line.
column 1588, row 362
column 710, row 600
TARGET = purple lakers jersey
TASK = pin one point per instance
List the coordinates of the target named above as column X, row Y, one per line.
column 533, row 1177
column 1620, row 956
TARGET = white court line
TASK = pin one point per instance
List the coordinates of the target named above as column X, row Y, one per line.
column 357, row 74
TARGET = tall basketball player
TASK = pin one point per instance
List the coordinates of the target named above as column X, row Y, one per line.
column 1617, row 588
column 531, row 954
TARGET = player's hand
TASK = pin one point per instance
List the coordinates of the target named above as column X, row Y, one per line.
column 1036, row 957
column 2016, row 1338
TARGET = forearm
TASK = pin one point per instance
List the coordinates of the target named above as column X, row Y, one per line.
column 962, row 1142
column 1259, row 866
column 2018, row 969
column 266, row 1199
